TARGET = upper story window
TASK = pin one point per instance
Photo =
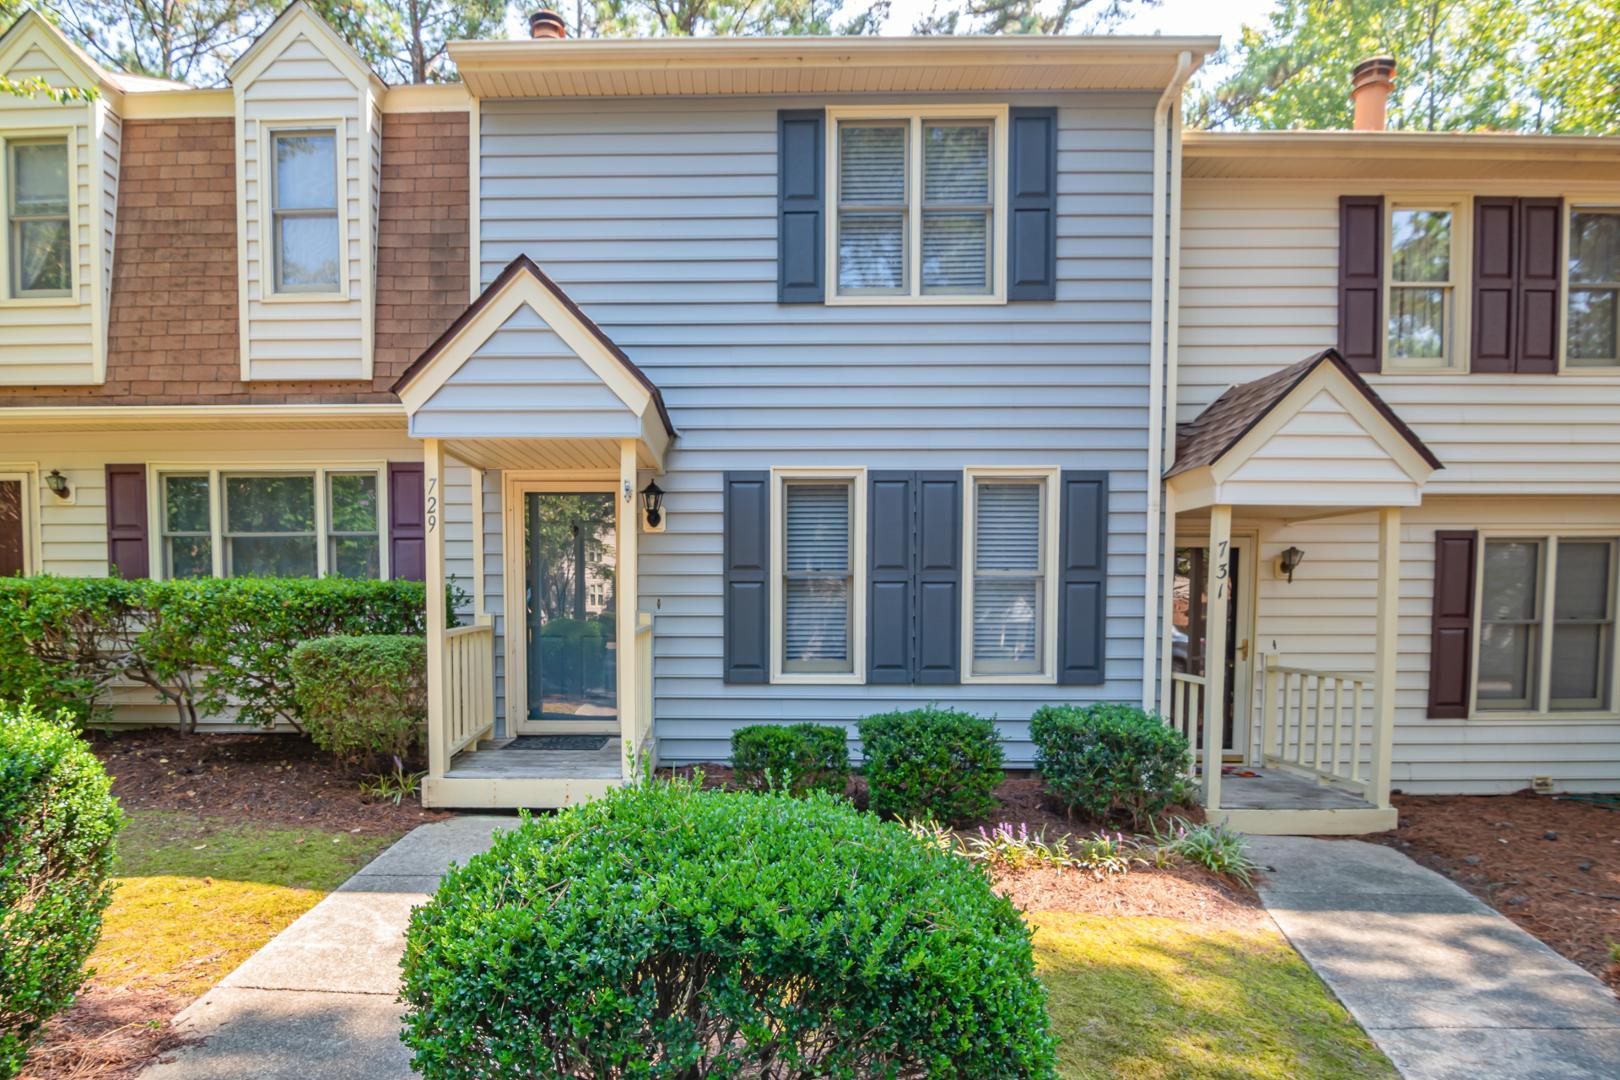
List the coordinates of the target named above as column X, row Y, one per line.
column 39, row 222
column 1422, row 288
column 304, row 211
column 918, row 205
column 1593, row 335
column 1008, row 630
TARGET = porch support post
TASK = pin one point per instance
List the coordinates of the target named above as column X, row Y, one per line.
column 1220, row 596
column 625, row 588
column 1389, row 601
column 433, row 538
column 1161, row 697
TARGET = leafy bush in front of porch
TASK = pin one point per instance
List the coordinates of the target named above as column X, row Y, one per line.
column 931, row 763
column 57, row 823
column 759, row 935
column 200, row 644
column 363, row 696
column 1109, row 759
column 795, row 758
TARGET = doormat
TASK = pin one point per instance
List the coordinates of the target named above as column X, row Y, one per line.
column 558, row 742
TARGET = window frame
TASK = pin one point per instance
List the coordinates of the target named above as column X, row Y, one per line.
column 1460, row 283
column 9, row 296
column 1547, row 581
column 915, row 116
column 781, row 477
column 216, row 473
column 1051, row 518
column 1572, row 206
column 271, row 290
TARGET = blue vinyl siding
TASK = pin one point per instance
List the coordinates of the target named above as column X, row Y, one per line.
column 659, row 219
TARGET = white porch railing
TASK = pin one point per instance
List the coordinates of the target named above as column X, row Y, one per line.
column 1319, row 722
column 1187, row 708
column 641, row 720
column 469, row 679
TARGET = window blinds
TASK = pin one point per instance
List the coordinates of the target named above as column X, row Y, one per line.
column 816, row 586
column 1007, row 577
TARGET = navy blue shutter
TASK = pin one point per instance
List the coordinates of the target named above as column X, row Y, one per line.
column 939, row 578
column 800, row 205
column 1032, row 205
column 1082, row 578
column 747, row 508
column 891, row 571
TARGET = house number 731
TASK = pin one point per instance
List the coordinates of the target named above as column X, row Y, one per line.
column 1222, row 575
column 432, row 504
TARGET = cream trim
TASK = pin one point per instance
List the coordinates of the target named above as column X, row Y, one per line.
column 856, row 476
column 915, row 115
column 296, row 19
column 118, row 417
column 429, row 97
column 1051, row 522
column 268, row 131
column 27, row 472
column 179, row 105
column 475, row 173
column 1459, row 343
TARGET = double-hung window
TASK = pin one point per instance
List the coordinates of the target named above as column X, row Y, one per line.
column 39, row 225
column 917, row 199
column 1546, row 625
column 1593, row 334
column 304, row 220
column 1009, row 630
column 819, row 556
column 1422, row 321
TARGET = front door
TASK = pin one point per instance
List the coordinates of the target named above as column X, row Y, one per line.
column 1190, row 623
column 13, row 535
column 569, row 602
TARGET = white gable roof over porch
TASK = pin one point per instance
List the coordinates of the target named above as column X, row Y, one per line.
column 525, row 379
column 1313, row 434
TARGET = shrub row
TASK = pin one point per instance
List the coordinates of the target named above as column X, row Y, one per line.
column 363, row 696
column 1107, row 760
column 200, row 644
column 796, row 758
column 57, row 823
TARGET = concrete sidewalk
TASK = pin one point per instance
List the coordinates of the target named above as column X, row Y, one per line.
column 1445, row 986
column 317, row 1002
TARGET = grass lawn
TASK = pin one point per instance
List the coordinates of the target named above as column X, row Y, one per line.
column 1159, row 998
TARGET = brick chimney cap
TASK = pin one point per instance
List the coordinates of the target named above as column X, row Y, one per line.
column 546, row 23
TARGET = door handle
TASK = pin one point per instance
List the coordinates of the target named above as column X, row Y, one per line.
column 1243, row 651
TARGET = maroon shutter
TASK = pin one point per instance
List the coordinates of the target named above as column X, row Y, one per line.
column 1361, row 280
column 1451, row 637
column 1540, row 226
column 126, row 522
column 407, row 539
column 1496, row 237
column 11, row 528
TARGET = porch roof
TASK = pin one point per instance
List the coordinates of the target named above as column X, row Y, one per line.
column 1313, row 433
column 524, row 378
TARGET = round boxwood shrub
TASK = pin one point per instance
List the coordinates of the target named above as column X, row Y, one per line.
column 668, row 931
column 57, row 823
column 794, row 757
column 363, row 696
column 1110, row 759
column 933, row 763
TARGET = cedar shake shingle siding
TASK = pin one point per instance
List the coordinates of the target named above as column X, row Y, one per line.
column 173, row 326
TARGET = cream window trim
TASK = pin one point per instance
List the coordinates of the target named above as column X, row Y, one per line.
column 269, row 249
column 856, row 478
column 914, row 116
column 1459, row 284
column 216, row 472
column 1541, row 663
column 38, row 134
column 1574, row 204
column 26, row 473
column 1048, row 477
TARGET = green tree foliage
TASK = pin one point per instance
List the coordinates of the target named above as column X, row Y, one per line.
column 723, row 18
column 405, row 41
column 186, row 40
column 1463, row 65
column 1026, row 16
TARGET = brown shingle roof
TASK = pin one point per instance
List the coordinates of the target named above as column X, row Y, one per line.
column 1203, row 440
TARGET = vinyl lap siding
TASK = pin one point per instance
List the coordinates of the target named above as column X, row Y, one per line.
column 660, row 221
column 1259, row 272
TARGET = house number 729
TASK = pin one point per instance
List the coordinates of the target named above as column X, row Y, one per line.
column 432, row 505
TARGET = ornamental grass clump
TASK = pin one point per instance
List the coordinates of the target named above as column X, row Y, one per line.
column 664, row 930
column 931, row 762
column 57, row 823
column 1110, row 760
column 795, row 758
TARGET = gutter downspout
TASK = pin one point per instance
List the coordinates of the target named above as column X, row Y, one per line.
column 1166, row 125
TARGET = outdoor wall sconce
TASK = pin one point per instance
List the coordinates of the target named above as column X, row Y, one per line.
column 57, row 483
column 652, row 507
column 1288, row 562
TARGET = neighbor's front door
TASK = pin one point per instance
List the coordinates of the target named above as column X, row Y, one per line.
column 1189, row 632
column 569, row 599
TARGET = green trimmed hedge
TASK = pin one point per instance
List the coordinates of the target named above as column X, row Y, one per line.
column 199, row 644
column 795, row 757
column 668, row 931
column 1110, row 759
column 931, row 763
column 363, row 696
column 57, row 823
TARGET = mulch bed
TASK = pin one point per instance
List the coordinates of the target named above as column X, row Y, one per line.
column 1551, row 865
column 276, row 779
column 108, row 1034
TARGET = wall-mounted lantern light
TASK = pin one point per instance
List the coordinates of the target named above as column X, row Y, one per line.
column 652, row 506
column 1288, row 562
column 57, row 483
